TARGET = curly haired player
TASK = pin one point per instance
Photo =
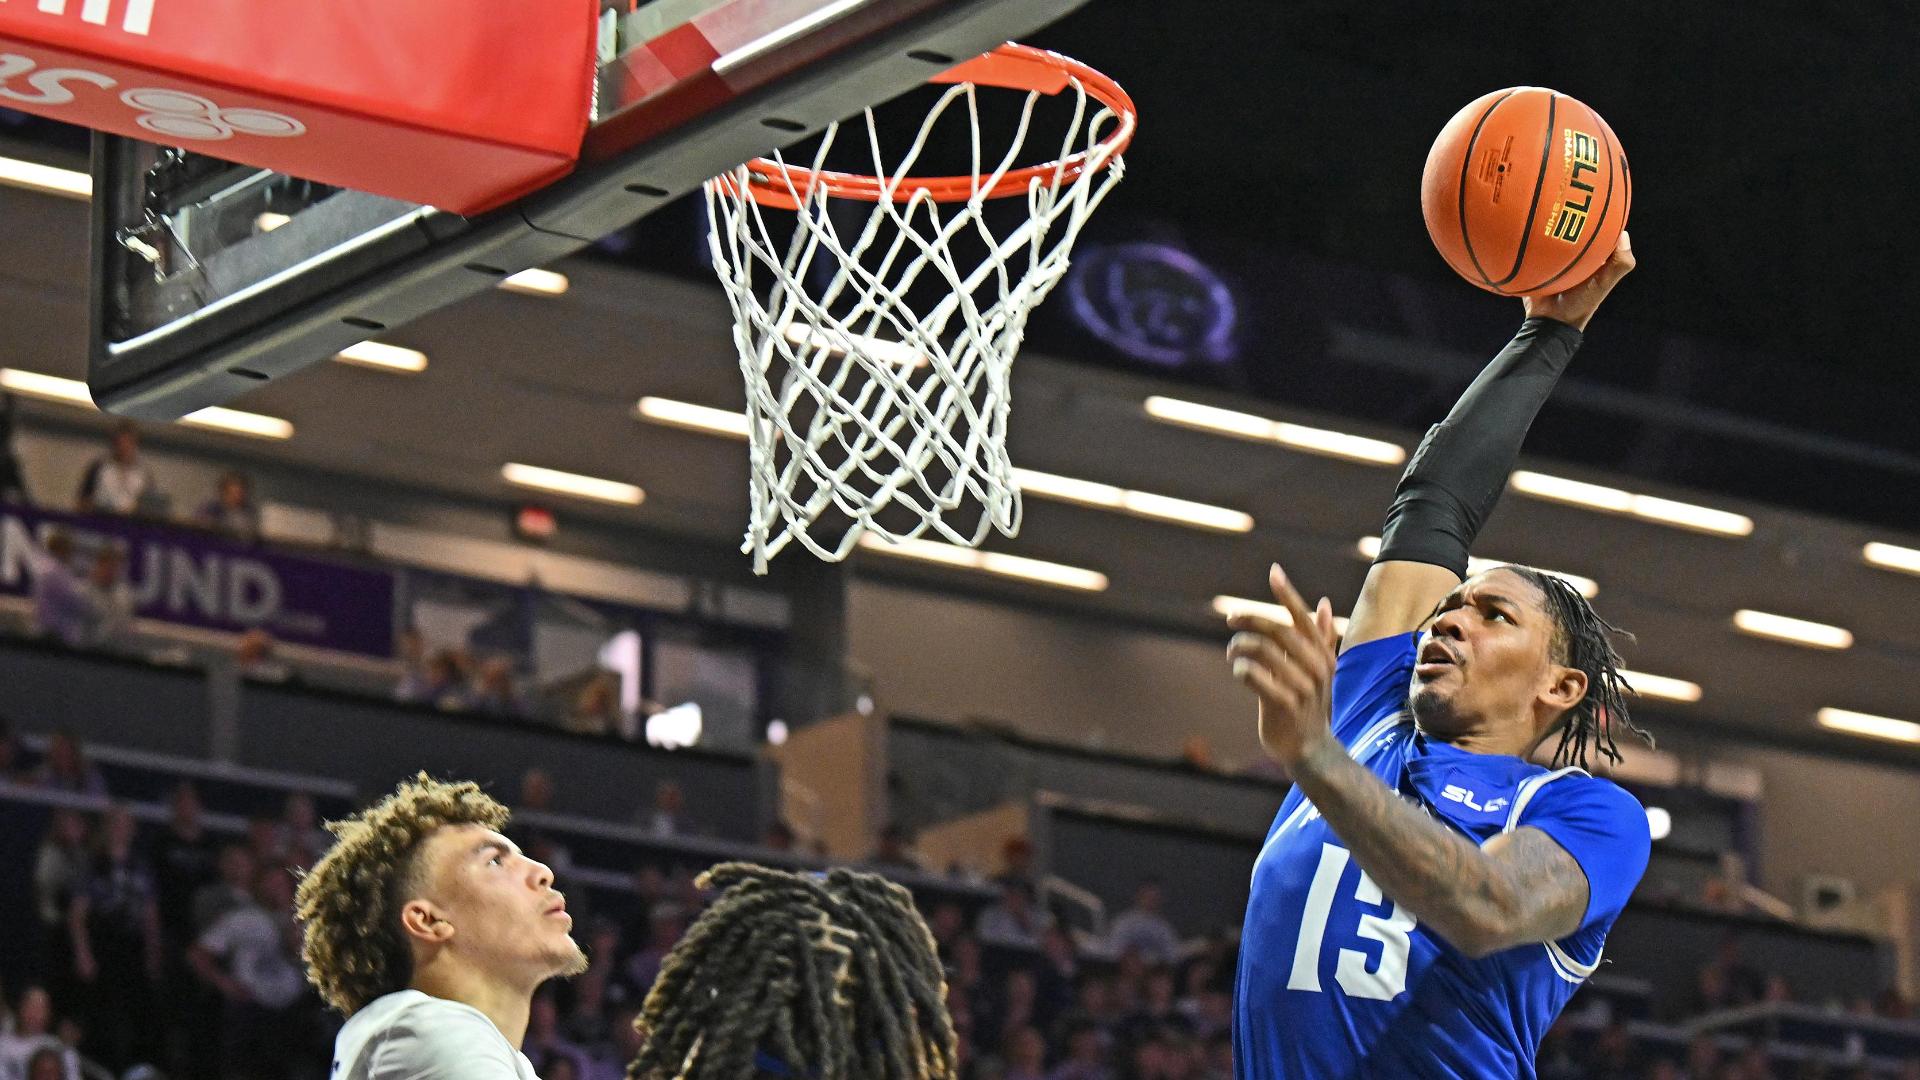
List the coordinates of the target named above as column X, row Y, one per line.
column 803, row 976
column 1428, row 899
column 431, row 931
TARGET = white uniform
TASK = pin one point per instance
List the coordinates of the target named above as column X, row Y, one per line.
column 408, row 1035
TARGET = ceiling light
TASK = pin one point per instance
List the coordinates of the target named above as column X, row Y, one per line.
column 897, row 353
column 1229, row 606
column 684, row 414
column 220, row 418
column 74, row 392
column 1369, row 548
column 1659, row 822
column 269, row 221
column 1338, row 444
column 566, row 483
column 1660, row 686
column 46, row 179
column 1613, row 500
column 1689, row 516
column 1560, row 489
column 1139, row 503
column 1014, row 566
column 1797, row 631
column 1878, row 727
column 1892, row 557
column 374, row 354
column 536, row 283
column 46, row 387
column 1260, row 429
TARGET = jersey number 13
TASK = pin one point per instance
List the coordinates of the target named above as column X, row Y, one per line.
column 1386, row 982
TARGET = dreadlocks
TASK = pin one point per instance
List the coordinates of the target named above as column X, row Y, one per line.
column 1584, row 640
column 816, row 977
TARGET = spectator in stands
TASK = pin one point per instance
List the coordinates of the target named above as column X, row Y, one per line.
column 411, row 651
column 263, row 841
column 237, row 871
column 895, row 850
column 1086, row 1055
column 665, row 924
column 13, row 485
column 1611, row 1056
column 231, row 510
column 1144, row 928
column 114, row 921
column 1703, row 1058
column 257, row 657
column 609, row 1062
column 66, row 768
column 301, row 838
column 1025, row 1054
column 62, row 607
column 1013, row 1008
column 185, row 859
column 494, row 691
column 544, row 1041
column 668, row 816
column 596, row 711
column 1058, row 968
column 1016, row 861
column 58, row 867
column 109, row 608
column 1016, row 919
column 119, row 482
column 32, row 1036
column 947, row 921
column 251, row 955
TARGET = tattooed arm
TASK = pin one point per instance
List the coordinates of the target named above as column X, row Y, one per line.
column 1521, row 888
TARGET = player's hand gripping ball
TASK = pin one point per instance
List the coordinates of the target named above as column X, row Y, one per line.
column 1526, row 192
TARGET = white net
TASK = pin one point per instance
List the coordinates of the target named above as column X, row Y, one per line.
column 877, row 355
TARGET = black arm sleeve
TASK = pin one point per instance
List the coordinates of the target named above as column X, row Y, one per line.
column 1457, row 474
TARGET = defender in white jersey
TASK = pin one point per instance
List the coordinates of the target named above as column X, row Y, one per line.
column 431, row 931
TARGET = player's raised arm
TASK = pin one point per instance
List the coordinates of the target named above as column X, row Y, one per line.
column 1457, row 474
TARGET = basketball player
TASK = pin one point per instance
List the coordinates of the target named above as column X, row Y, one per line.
column 431, row 931
column 799, row 976
column 1427, row 900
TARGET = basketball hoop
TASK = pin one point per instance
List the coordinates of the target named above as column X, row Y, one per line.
column 858, row 398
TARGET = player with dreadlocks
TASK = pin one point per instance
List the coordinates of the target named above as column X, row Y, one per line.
column 800, row 976
column 1428, row 899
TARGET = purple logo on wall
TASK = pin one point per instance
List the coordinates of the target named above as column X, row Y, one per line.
column 1154, row 303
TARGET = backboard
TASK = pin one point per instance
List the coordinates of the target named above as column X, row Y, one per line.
column 210, row 278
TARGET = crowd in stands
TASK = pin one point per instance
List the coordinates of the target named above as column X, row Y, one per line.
column 169, row 948
column 82, row 598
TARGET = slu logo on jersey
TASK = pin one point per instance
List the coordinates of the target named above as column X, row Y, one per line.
column 1465, row 797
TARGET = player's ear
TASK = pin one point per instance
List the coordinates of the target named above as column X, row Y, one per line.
column 424, row 922
column 1565, row 688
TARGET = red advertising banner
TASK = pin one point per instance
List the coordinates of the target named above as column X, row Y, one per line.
column 462, row 106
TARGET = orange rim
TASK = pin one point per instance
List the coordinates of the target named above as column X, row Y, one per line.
column 1010, row 67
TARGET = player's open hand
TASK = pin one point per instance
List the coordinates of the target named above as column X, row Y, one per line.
column 1290, row 668
column 1576, row 306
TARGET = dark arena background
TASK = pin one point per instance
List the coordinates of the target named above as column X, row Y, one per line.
column 216, row 635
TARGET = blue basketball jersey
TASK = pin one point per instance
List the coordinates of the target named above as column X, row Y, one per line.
column 1337, row 981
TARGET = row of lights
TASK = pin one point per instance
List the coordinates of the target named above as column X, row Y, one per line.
column 1173, row 411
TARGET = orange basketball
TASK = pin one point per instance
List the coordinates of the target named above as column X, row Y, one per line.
column 1525, row 192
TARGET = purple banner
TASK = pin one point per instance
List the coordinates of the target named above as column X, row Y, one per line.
column 206, row 580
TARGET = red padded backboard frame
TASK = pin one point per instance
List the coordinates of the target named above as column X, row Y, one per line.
column 396, row 97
